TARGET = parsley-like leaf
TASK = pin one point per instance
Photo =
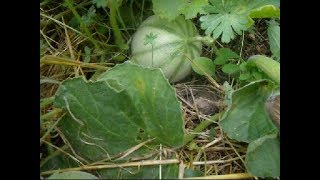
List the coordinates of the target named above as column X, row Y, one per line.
column 225, row 18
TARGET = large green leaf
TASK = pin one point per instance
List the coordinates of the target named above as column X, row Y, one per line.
column 72, row 175
column 155, row 100
column 102, row 122
column 263, row 157
column 120, row 111
column 247, row 119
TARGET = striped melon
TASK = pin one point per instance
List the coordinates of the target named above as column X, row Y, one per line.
column 174, row 41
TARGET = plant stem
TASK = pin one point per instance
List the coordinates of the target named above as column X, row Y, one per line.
column 138, row 164
column 82, row 24
column 204, row 124
column 227, row 176
column 48, row 59
column 105, row 166
column 50, row 129
column 50, row 114
column 46, row 101
column 214, row 82
column 52, row 155
column 142, row 7
column 152, row 54
column 115, row 28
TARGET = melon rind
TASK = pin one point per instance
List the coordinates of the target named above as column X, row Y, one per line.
column 170, row 48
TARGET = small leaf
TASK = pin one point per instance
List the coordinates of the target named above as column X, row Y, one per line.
column 205, row 64
column 230, row 68
column 244, row 76
column 263, row 157
column 247, row 118
column 72, row 175
column 223, row 55
column 274, row 39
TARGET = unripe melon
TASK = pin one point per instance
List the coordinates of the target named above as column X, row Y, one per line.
column 174, row 42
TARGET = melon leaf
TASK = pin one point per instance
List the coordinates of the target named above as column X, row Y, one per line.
column 263, row 157
column 114, row 114
column 246, row 118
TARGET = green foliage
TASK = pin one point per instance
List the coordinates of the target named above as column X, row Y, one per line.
column 170, row 10
column 267, row 11
column 192, row 173
column 267, row 65
column 263, row 157
column 146, row 172
column 89, row 18
column 256, row 68
column 192, row 8
column 72, row 175
column 230, row 68
column 167, row 9
column 212, row 134
column 274, row 39
column 155, row 100
column 229, row 61
column 87, row 53
column 98, row 115
column 100, row 3
column 129, row 104
column 225, row 18
column 246, row 118
column 203, row 65
column 43, row 47
column 224, row 55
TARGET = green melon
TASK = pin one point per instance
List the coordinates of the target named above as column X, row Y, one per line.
column 174, row 41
